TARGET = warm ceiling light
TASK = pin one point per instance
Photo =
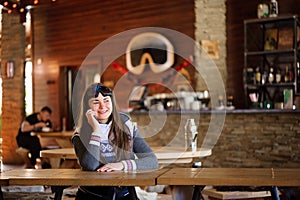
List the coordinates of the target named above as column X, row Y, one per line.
column 19, row 5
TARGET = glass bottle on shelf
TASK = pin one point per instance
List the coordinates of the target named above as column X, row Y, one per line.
column 262, row 99
column 271, row 75
column 273, row 8
column 287, row 75
column 264, row 77
column 258, row 76
column 278, row 76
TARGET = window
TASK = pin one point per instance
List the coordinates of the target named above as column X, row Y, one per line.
column 28, row 88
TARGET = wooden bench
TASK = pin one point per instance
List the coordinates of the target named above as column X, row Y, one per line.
column 59, row 179
column 213, row 193
column 23, row 153
column 199, row 177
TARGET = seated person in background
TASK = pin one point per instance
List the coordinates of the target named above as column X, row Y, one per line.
column 106, row 140
column 34, row 122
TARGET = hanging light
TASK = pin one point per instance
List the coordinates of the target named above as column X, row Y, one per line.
column 19, row 5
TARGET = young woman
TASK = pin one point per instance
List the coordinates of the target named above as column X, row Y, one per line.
column 106, row 140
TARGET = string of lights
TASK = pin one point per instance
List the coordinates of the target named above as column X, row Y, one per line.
column 19, row 6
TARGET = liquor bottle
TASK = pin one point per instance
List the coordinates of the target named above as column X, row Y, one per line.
column 262, row 98
column 264, row 77
column 278, row 76
column 258, row 76
column 287, row 75
column 273, row 8
column 271, row 75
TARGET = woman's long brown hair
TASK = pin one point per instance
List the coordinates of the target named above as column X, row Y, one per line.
column 119, row 131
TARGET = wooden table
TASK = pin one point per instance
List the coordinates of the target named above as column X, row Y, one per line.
column 4, row 181
column 62, row 138
column 62, row 178
column 231, row 177
column 198, row 177
column 165, row 155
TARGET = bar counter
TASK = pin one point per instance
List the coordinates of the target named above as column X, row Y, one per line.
column 239, row 137
column 209, row 111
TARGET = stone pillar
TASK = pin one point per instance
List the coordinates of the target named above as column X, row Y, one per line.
column 211, row 25
column 12, row 49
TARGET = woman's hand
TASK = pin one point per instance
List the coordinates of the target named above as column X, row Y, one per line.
column 90, row 115
column 109, row 167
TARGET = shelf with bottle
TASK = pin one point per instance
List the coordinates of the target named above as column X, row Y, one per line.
column 265, row 86
column 268, row 97
column 271, row 58
column 270, row 77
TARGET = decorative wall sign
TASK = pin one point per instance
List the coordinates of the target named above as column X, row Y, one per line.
column 211, row 48
column 271, row 38
column 285, row 38
column 149, row 49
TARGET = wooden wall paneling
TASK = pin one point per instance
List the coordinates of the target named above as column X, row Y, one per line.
column 66, row 31
column 237, row 11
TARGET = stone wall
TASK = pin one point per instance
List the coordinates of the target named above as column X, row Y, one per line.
column 12, row 49
column 211, row 25
column 247, row 139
